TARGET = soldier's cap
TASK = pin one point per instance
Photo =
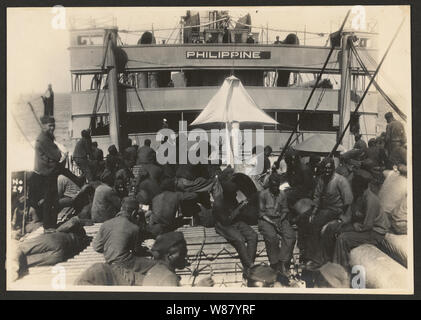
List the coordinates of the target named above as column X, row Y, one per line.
column 47, row 119
column 335, row 275
column 166, row 241
column 388, row 115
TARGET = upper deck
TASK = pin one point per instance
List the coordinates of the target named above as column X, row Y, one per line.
column 87, row 51
column 87, row 59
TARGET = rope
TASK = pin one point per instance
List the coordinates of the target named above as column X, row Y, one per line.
column 320, row 34
column 384, row 95
column 35, row 115
column 368, row 87
column 21, row 130
column 195, row 272
column 138, row 97
column 310, row 96
column 322, row 94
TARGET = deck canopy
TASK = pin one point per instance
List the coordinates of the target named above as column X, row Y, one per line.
column 318, row 144
column 232, row 103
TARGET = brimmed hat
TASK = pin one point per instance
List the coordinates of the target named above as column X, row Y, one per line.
column 47, row 119
column 335, row 275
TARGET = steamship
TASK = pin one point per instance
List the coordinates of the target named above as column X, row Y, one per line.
column 122, row 91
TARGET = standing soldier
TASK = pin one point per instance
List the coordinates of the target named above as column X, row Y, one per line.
column 395, row 139
column 82, row 155
column 48, row 99
column 49, row 163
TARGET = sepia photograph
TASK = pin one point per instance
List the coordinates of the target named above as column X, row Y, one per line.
column 258, row 149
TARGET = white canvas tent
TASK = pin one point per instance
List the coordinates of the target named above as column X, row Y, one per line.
column 317, row 143
column 232, row 105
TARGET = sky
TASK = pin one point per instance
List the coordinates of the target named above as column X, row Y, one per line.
column 38, row 53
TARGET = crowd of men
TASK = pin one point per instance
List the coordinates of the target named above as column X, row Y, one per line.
column 328, row 208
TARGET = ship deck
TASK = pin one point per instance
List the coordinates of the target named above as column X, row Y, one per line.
column 208, row 253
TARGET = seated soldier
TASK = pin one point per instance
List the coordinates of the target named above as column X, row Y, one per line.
column 240, row 235
column 332, row 197
column 52, row 248
column 273, row 222
column 146, row 154
column 120, row 237
column 130, row 154
column 67, row 192
column 373, row 153
column 299, row 177
column 114, row 160
column 144, row 182
column 24, row 221
column 361, row 146
column 362, row 223
column 169, row 253
column 393, row 196
column 368, row 222
column 164, row 209
column 107, row 200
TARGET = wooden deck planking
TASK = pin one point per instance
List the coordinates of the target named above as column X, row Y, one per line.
column 226, row 269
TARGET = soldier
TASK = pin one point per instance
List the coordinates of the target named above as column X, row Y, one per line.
column 49, row 163
column 170, row 253
column 48, row 100
column 120, row 237
column 395, row 140
column 273, row 221
column 332, row 198
column 83, row 153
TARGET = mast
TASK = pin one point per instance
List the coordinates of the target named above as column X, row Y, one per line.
column 114, row 115
column 345, row 92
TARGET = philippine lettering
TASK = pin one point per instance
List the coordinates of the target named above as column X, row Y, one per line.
column 228, row 54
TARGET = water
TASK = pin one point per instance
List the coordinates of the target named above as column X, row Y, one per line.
column 28, row 123
column 21, row 136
